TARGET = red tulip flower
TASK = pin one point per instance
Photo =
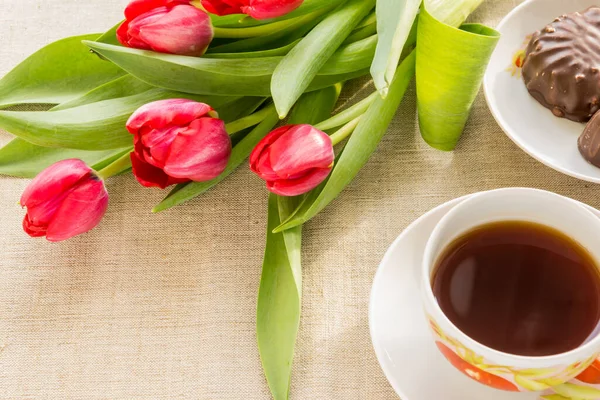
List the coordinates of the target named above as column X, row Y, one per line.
column 176, row 141
column 166, row 26
column 293, row 159
column 65, row 200
column 257, row 9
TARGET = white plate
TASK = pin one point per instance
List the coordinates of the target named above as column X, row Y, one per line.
column 549, row 139
column 399, row 331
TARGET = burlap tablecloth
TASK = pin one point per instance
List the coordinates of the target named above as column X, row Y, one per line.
column 163, row 306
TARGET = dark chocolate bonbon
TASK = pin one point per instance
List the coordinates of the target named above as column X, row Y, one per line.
column 562, row 65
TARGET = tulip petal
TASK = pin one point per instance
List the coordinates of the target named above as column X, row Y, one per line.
column 296, row 187
column 264, row 143
column 201, row 152
column 33, row 230
column 41, row 214
column 135, row 25
column 223, row 7
column 150, row 176
column 81, row 210
column 265, row 9
column 138, row 7
column 162, row 113
column 54, row 181
column 264, row 169
column 184, row 30
column 123, row 36
column 301, row 148
column 157, row 144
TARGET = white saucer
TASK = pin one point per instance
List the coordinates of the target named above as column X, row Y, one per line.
column 399, row 331
column 550, row 140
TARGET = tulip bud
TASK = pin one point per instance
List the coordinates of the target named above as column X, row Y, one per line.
column 166, row 26
column 293, row 159
column 257, row 9
column 177, row 140
column 64, row 200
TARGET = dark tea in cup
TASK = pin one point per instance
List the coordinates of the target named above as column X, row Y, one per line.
column 520, row 288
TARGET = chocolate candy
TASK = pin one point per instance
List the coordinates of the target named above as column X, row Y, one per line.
column 589, row 141
column 562, row 63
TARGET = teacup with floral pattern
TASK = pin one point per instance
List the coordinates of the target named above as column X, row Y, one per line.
column 486, row 365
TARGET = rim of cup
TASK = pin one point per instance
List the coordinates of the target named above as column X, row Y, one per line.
column 586, row 350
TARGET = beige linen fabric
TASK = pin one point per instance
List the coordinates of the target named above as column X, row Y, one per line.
column 163, row 306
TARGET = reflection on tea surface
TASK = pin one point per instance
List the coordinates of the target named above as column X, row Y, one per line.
column 520, row 288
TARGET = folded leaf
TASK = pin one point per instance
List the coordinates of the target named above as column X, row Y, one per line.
column 451, row 63
column 25, row 160
column 296, row 71
column 280, row 294
column 359, row 148
column 57, row 73
column 451, row 12
column 394, row 21
column 214, row 76
column 241, row 151
column 96, row 126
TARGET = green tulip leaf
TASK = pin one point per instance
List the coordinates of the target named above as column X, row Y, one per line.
column 212, row 76
column 110, row 36
column 394, row 21
column 361, row 33
column 394, row 33
column 373, row 123
column 279, row 51
column 451, row 63
column 359, row 148
column 240, row 152
column 294, row 31
column 193, row 74
column 240, row 108
column 279, row 299
column 25, row 160
column 123, row 86
column 299, row 67
column 280, row 293
column 96, row 126
column 349, row 58
column 57, row 73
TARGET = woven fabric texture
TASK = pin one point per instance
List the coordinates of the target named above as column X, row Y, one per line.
column 163, row 306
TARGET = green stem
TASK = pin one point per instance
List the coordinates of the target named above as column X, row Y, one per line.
column 368, row 20
column 360, row 34
column 345, row 131
column 115, row 168
column 249, row 121
column 254, row 31
column 349, row 114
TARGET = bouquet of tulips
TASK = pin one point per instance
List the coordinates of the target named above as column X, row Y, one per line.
column 181, row 92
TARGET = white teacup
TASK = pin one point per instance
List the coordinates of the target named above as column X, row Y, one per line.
column 486, row 365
